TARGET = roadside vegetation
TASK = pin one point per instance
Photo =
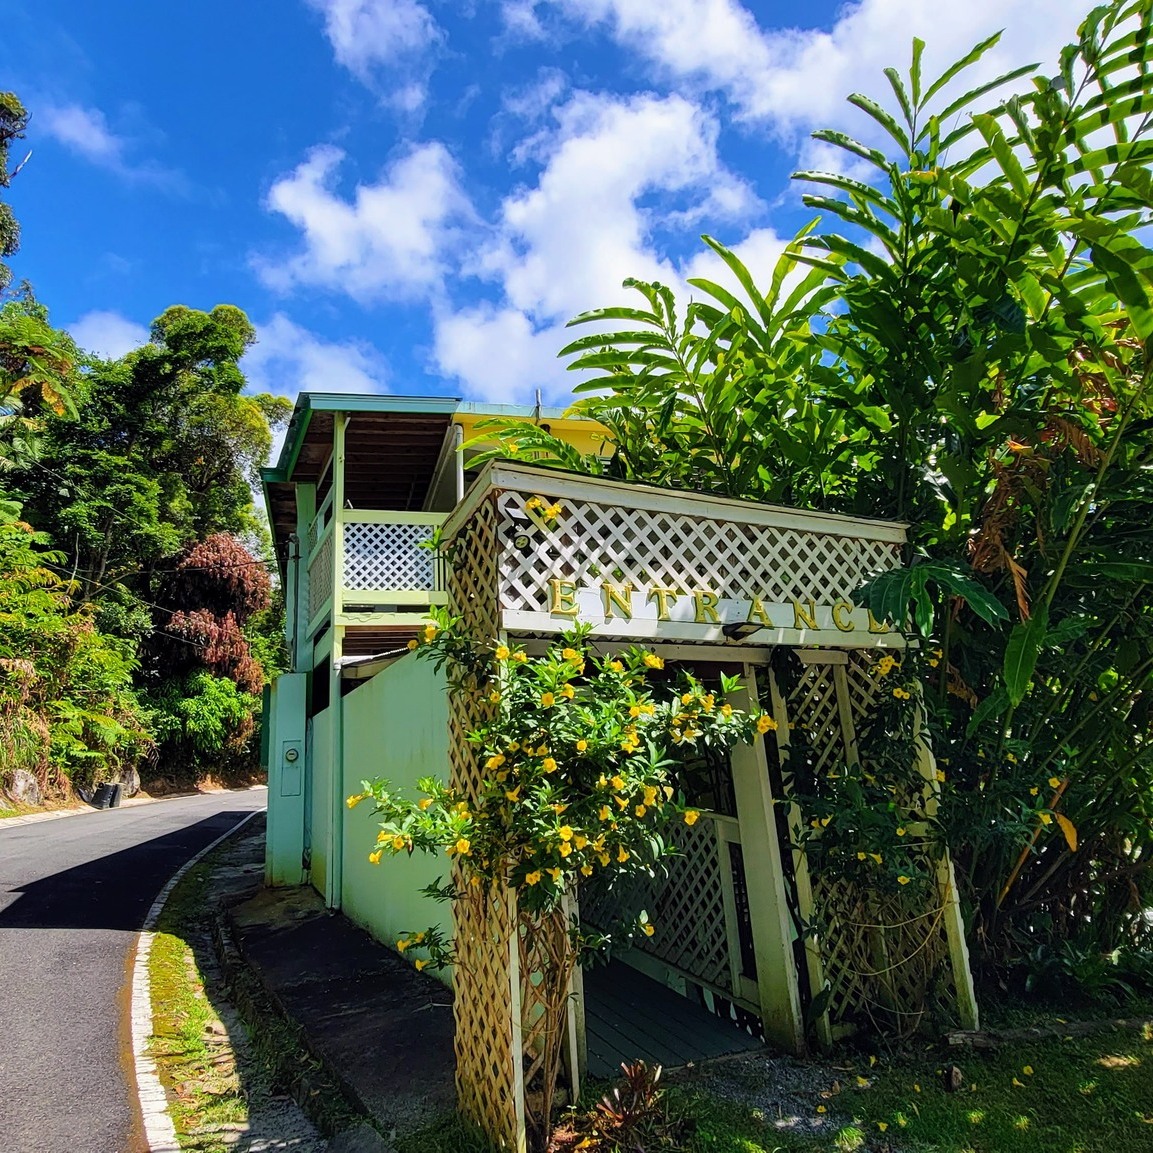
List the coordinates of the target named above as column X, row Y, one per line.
column 137, row 621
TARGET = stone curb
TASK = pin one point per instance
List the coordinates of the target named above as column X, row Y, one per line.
column 159, row 1132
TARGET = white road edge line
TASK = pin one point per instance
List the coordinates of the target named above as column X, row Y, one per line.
column 159, row 1131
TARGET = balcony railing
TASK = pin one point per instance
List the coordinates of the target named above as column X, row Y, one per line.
column 371, row 563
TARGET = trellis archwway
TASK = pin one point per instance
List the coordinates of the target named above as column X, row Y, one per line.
column 687, row 574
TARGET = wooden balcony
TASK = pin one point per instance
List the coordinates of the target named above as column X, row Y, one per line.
column 371, row 568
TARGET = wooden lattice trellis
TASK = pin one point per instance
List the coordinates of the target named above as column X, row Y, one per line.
column 648, row 547
column 883, row 958
column 386, row 556
column 687, row 908
column 320, row 577
column 489, row 1071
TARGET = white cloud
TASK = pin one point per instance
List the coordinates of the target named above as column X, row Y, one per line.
column 388, row 240
column 288, row 359
column 85, row 132
column 376, row 39
column 794, row 79
column 615, row 171
column 108, row 334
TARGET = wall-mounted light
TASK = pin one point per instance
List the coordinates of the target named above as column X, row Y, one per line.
column 741, row 630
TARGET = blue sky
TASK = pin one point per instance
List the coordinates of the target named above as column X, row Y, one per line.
column 413, row 196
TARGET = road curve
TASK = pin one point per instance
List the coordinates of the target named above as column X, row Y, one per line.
column 73, row 895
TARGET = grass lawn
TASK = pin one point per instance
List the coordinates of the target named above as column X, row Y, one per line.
column 1089, row 1095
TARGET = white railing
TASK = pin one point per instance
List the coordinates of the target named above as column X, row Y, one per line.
column 384, row 553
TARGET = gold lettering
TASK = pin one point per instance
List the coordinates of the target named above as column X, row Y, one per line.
column 621, row 598
column 663, row 597
column 845, row 625
column 757, row 613
column 705, row 607
column 801, row 618
column 876, row 626
column 562, row 598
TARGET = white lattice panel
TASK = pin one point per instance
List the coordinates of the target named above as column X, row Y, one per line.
column 320, row 577
column 687, row 909
column 387, row 556
column 589, row 542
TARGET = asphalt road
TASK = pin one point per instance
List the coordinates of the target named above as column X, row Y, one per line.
column 73, row 895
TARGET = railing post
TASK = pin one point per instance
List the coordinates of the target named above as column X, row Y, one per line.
column 298, row 592
column 335, row 875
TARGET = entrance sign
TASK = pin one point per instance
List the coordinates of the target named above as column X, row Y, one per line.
column 649, row 564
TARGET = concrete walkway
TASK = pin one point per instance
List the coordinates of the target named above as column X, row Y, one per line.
column 382, row 1030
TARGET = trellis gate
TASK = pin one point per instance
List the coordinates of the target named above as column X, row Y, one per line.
column 676, row 570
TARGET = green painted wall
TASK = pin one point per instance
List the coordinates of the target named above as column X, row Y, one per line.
column 396, row 727
column 320, row 811
column 287, row 789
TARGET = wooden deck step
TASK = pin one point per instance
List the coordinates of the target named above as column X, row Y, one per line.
column 630, row 1016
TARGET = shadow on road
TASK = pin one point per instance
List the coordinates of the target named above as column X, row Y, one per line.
column 114, row 891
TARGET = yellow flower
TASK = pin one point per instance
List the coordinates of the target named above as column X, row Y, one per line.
column 903, row 880
column 1028, row 1070
column 708, row 702
column 940, row 776
column 877, row 857
column 420, row 965
column 635, row 711
column 423, row 803
column 1034, row 791
column 520, row 657
column 726, row 710
column 565, row 832
column 494, row 697
column 571, row 655
column 933, row 663
column 616, row 666
column 501, row 653
column 900, row 832
column 568, row 692
column 603, row 858
column 623, row 854
column 533, row 877
column 381, row 837
column 653, row 661
column 547, row 700
column 1054, row 782
column 860, row 856
column 586, row 870
column 617, row 783
column 580, row 840
column 413, row 644
column 554, row 872
column 513, row 794
column 430, row 632
column 882, row 1125
column 650, row 794
column 765, row 723
column 533, row 502
column 558, row 809
column 564, row 848
column 648, row 929
column 686, row 698
column 463, row 846
column 640, row 810
column 374, row 857
column 399, row 842
column 403, row 944
column 1046, row 819
column 620, row 801
column 631, row 743
column 581, row 746
column 691, row 816
column 495, row 761
column 605, row 813
column 822, row 1109
column 542, row 751
column 553, row 511
column 549, row 765
column 352, row 802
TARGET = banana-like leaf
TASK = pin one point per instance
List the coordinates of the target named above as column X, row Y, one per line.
column 1021, row 653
